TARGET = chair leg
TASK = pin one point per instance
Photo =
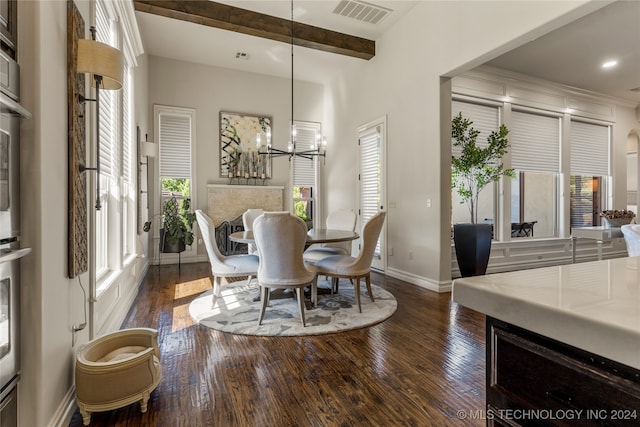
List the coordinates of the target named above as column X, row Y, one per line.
column 144, row 401
column 334, row 284
column 368, row 282
column 217, row 285
column 300, row 294
column 264, row 297
column 314, row 292
column 86, row 415
column 357, row 292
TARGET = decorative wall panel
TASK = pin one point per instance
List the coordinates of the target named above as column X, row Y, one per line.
column 77, row 252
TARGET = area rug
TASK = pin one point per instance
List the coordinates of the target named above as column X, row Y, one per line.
column 236, row 311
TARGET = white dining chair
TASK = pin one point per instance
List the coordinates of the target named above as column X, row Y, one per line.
column 223, row 266
column 337, row 220
column 631, row 233
column 248, row 217
column 280, row 238
column 355, row 268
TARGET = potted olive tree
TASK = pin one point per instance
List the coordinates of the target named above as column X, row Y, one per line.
column 177, row 223
column 472, row 170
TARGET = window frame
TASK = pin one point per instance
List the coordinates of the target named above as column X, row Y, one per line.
column 303, row 127
column 158, row 111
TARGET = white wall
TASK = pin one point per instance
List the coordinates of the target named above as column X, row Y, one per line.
column 403, row 81
column 51, row 302
column 210, row 90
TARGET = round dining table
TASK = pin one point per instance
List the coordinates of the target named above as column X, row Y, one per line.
column 315, row 235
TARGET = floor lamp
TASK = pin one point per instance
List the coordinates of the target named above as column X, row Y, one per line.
column 105, row 64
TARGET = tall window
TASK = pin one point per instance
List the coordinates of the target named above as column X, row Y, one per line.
column 129, row 196
column 535, row 155
column 536, row 145
column 304, row 174
column 589, row 171
column 114, row 229
column 371, row 180
column 175, row 127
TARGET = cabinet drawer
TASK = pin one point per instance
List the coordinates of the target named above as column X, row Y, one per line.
column 567, row 385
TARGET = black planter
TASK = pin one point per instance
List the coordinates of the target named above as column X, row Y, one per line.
column 473, row 247
column 170, row 248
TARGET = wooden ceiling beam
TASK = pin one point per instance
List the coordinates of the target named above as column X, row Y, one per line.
column 244, row 21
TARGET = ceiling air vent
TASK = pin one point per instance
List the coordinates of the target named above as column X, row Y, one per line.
column 362, row 11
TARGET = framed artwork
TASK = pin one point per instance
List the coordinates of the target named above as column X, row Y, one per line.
column 239, row 156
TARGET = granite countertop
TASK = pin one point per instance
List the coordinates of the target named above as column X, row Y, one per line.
column 594, row 306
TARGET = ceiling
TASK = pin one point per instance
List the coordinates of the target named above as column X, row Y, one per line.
column 168, row 37
column 571, row 55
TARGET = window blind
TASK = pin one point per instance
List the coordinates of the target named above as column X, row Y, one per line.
column 589, row 149
column 304, row 170
column 535, row 142
column 105, row 33
column 485, row 118
column 369, row 141
column 175, row 146
column 127, row 134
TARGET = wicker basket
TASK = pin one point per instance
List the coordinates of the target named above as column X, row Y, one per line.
column 616, row 222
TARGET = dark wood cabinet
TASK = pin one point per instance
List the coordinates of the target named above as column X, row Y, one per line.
column 536, row 381
column 9, row 27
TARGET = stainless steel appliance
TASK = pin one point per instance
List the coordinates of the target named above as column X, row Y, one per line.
column 10, row 250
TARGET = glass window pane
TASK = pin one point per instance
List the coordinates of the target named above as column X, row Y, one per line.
column 586, row 200
column 303, row 202
column 533, row 204
column 460, row 211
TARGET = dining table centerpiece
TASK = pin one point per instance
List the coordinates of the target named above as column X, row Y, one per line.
column 617, row 217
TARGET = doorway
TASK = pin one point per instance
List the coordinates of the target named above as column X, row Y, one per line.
column 372, row 179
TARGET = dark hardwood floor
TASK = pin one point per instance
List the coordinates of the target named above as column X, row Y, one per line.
column 420, row 367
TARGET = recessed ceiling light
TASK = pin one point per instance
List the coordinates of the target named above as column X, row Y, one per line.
column 609, row 64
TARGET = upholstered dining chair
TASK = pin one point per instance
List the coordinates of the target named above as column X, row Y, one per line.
column 223, row 266
column 280, row 238
column 355, row 268
column 631, row 233
column 337, row 220
column 248, row 217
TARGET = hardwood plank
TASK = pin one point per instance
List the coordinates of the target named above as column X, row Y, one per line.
column 244, row 21
column 418, row 368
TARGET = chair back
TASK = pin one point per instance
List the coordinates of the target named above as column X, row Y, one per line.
column 631, row 233
column 208, row 231
column 280, row 238
column 370, row 234
column 341, row 220
column 248, row 217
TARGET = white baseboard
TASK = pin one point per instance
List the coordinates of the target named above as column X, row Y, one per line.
column 418, row 280
column 66, row 409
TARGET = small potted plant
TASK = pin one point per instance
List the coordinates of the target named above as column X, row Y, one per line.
column 471, row 171
column 177, row 223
